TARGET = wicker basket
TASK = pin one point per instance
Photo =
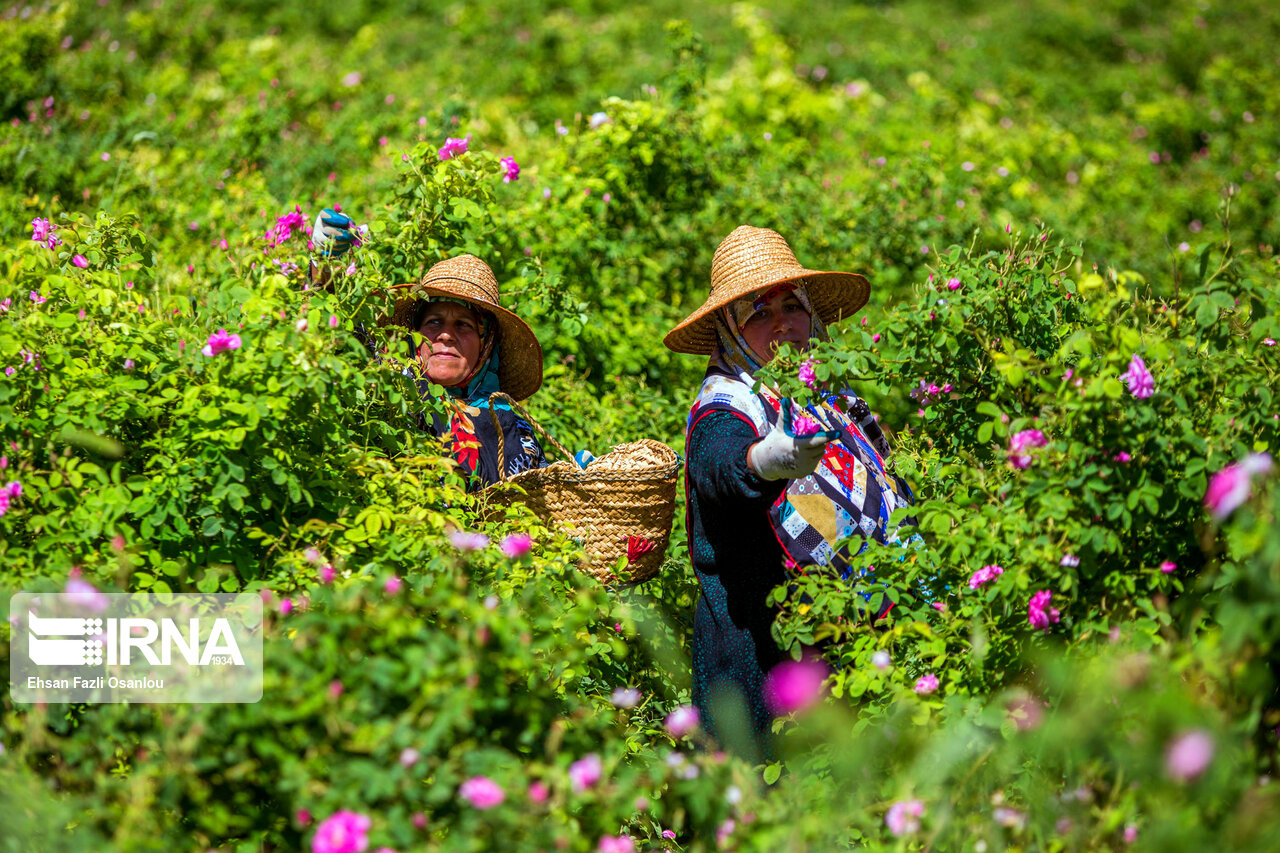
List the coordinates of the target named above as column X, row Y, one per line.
column 620, row 505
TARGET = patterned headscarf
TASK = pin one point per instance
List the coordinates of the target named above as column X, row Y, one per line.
column 733, row 355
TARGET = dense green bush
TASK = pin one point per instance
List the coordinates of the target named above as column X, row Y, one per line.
column 1038, row 195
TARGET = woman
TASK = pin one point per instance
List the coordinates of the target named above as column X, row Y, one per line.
column 760, row 498
column 473, row 347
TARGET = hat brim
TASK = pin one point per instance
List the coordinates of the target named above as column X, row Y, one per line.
column 519, row 353
column 835, row 296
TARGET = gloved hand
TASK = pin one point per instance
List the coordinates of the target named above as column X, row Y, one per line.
column 332, row 234
column 781, row 455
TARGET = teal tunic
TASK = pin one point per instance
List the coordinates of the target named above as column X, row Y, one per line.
column 738, row 561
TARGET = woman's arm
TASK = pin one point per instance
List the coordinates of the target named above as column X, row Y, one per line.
column 719, row 444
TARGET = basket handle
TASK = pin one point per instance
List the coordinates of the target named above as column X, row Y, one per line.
column 502, row 442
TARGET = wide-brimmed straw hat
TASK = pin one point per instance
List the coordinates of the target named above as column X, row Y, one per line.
column 752, row 259
column 468, row 278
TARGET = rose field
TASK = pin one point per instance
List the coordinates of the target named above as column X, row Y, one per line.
column 1069, row 214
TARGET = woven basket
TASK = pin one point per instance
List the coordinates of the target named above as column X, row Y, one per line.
column 620, row 505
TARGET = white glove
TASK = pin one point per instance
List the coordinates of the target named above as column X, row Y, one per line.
column 782, row 456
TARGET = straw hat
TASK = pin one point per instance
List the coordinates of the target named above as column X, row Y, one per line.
column 468, row 278
column 752, row 259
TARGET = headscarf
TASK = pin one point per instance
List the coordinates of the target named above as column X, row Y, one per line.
column 851, row 492
column 469, row 434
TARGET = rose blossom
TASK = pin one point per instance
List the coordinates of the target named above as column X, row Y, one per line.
column 465, row 541
column 1021, row 442
column 342, row 832
column 1039, row 613
column 516, row 545
column 1230, row 487
column 585, row 772
column 682, row 721
column 793, row 685
column 807, row 375
column 481, row 792
column 904, row 816
column 220, row 342
column 511, row 169
column 984, row 575
column 453, row 147
column 1141, row 383
column 926, row 684
column 1188, row 755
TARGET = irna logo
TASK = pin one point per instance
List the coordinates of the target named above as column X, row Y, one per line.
column 60, row 641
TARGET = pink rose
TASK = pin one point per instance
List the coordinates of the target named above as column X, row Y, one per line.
column 1230, row 487
column 904, row 816
column 220, row 342
column 510, row 169
column 453, row 147
column 682, row 721
column 926, row 684
column 342, row 832
column 984, row 575
column 806, row 374
column 85, row 595
column 585, row 772
column 1188, row 756
column 1141, row 383
column 516, row 545
column 793, row 686
column 1039, row 613
column 481, row 792
column 1021, row 442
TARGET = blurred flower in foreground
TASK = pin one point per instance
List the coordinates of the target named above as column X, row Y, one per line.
column 481, row 792
column 682, row 721
column 616, row 844
column 585, row 772
column 464, row 541
column 86, row 595
column 904, row 816
column 1188, row 755
column 794, row 685
column 516, row 545
column 1141, row 383
column 342, row 832
column 1230, row 487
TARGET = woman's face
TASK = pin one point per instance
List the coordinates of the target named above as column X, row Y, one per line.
column 452, row 346
column 782, row 320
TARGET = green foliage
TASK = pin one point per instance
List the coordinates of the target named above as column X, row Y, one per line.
column 1097, row 180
